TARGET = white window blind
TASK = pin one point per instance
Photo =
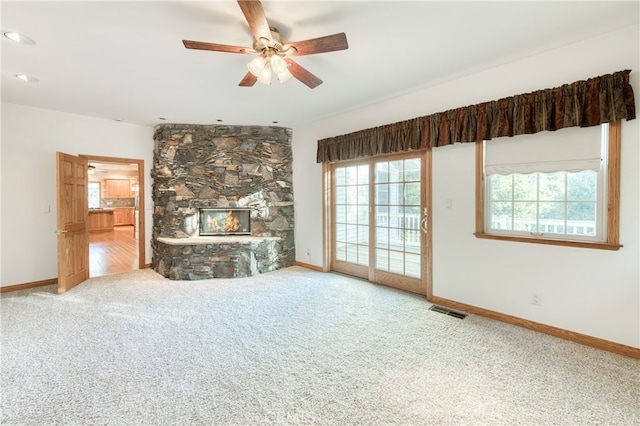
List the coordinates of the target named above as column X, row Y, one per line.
column 572, row 149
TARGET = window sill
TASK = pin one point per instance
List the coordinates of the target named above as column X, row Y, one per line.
column 581, row 244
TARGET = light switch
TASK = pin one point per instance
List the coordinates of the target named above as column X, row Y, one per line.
column 448, row 203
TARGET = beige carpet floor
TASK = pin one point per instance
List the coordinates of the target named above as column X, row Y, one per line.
column 289, row 347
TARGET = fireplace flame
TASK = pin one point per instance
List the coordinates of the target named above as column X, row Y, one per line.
column 229, row 223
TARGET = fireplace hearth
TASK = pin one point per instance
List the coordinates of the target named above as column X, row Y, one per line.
column 229, row 221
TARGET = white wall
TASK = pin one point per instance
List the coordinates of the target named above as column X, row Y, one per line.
column 30, row 139
column 593, row 292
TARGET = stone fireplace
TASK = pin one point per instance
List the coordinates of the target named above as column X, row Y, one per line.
column 207, row 177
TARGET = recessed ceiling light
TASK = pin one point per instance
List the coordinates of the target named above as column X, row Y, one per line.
column 27, row 78
column 18, row 38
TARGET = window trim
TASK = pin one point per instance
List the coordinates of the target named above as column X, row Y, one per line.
column 612, row 201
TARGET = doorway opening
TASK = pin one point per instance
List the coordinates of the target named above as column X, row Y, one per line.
column 115, row 216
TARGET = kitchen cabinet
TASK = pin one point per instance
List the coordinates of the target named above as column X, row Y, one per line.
column 123, row 216
column 100, row 220
column 117, row 188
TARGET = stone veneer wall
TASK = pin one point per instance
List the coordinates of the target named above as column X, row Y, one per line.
column 218, row 166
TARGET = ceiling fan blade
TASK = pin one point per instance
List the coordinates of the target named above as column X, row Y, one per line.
column 257, row 20
column 248, row 80
column 324, row 44
column 303, row 75
column 201, row 45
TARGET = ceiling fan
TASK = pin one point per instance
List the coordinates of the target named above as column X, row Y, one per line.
column 272, row 52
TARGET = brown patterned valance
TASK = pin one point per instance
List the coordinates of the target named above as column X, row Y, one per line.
column 583, row 103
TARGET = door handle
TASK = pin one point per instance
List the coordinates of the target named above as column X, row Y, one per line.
column 425, row 219
column 61, row 231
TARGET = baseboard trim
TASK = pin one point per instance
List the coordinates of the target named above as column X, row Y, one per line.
column 26, row 286
column 309, row 266
column 583, row 339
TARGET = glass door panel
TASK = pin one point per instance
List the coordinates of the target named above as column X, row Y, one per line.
column 397, row 205
column 351, row 213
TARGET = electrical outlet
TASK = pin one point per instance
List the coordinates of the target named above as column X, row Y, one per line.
column 308, row 252
column 536, row 299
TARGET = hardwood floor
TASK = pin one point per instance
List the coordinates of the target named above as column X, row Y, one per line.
column 114, row 251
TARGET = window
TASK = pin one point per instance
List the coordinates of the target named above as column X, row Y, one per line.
column 94, row 195
column 558, row 205
column 552, row 187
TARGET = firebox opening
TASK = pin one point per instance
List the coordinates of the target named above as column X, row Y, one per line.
column 229, row 221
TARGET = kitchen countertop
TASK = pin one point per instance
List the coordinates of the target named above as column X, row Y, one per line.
column 107, row 209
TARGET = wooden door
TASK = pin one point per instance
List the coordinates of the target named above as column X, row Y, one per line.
column 72, row 210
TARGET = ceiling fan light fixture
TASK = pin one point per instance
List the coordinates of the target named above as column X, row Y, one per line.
column 265, row 75
column 91, row 169
column 284, row 75
column 257, row 65
column 271, row 48
column 278, row 64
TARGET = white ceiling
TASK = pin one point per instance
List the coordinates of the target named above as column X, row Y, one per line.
column 125, row 60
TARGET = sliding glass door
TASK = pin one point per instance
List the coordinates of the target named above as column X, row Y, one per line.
column 380, row 222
